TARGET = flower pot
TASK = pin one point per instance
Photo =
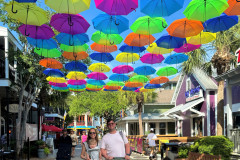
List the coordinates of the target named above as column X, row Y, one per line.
column 41, row 153
column 158, row 156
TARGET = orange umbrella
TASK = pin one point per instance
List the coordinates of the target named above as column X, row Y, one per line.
column 103, row 48
column 159, row 80
column 139, row 40
column 75, row 55
column 50, row 63
column 185, row 28
column 112, row 87
column 234, row 8
column 90, row 89
column 133, row 84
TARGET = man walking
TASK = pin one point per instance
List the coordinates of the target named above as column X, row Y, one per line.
column 115, row 144
column 150, row 138
column 65, row 146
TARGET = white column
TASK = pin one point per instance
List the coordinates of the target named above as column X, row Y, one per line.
column 146, row 127
column 15, row 65
column 6, row 58
column 203, row 126
column 75, row 123
column 229, row 108
column 86, row 120
column 216, row 112
column 191, row 126
column 208, row 114
column 157, row 128
column 126, row 128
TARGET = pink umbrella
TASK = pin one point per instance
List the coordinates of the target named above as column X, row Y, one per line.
column 69, row 23
column 117, row 7
column 150, row 58
column 97, row 76
column 187, row 48
column 77, row 82
column 122, row 69
column 58, row 84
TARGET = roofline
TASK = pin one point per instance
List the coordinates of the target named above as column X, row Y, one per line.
column 228, row 74
column 177, row 89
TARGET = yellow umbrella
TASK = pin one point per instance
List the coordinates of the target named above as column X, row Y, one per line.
column 75, row 75
column 68, row 6
column 127, row 57
column 146, row 90
column 27, row 13
column 56, row 79
column 202, row 38
column 154, row 49
column 99, row 67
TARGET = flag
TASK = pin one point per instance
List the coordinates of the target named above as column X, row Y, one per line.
column 65, row 115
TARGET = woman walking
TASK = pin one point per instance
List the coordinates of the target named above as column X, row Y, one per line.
column 83, row 137
column 74, row 142
column 91, row 148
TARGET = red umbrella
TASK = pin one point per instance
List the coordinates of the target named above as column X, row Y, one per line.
column 45, row 128
column 55, row 129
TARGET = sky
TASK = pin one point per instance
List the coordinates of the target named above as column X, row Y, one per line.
column 93, row 12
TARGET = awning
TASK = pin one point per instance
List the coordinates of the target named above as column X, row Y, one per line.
column 80, row 127
column 50, row 128
column 53, row 115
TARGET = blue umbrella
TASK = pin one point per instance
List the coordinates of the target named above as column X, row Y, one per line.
column 176, row 58
column 129, row 88
column 72, row 40
column 167, row 41
column 96, row 82
column 42, row 43
column 76, row 66
column 118, row 77
column 110, row 24
column 152, row 86
column 221, row 23
column 131, row 49
column 59, row 88
column 76, row 86
column 53, row 72
column 102, row 57
column 26, row 1
column 160, row 8
column 145, row 70
column 109, row 90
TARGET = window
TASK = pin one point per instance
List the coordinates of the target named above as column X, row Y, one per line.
column 188, row 84
column 171, row 128
column 162, row 128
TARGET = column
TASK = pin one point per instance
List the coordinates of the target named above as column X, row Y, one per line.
column 203, row 126
column 75, row 123
column 229, row 108
column 6, row 58
column 157, row 128
column 146, row 127
column 208, row 114
column 92, row 121
column 191, row 126
column 85, row 119
column 126, row 128
column 15, row 65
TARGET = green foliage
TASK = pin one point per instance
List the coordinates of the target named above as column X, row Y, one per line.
column 214, row 145
column 40, row 144
column 183, row 152
column 46, row 151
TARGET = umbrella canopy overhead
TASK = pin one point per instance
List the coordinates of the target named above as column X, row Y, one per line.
column 36, row 32
column 134, row 84
column 234, row 8
column 106, row 39
column 118, row 77
column 76, row 75
column 169, row 42
column 145, row 70
column 42, row 43
column 202, row 38
column 187, row 48
column 76, row 82
column 131, row 49
column 102, row 57
column 97, row 76
column 99, row 67
column 52, row 53
column 53, row 72
column 167, row 71
column 122, row 69
column 112, row 88
column 96, row 82
column 127, row 57
column 139, row 78
column 154, row 49
column 74, row 48
column 138, row 40
column 76, row 66
column 176, row 58
column 75, row 55
column 115, row 83
column 57, row 84
column 103, row 48
column 56, row 79
column 150, row 58
column 125, row 88
column 76, row 86
column 159, row 80
column 152, row 86
column 72, row 40
column 50, row 63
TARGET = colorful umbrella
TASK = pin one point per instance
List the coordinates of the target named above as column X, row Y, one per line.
column 103, row 48
column 57, row 84
column 152, row 86
column 131, row 49
column 106, row 39
column 115, row 83
column 60, row 88
column 90, row 86
column 76, row 75
column 97, row 76
column 118, row 77
column 154, row 49
column 56, row 79
column 102, row 57
column 167, row 71
column 72, row 40
column 76, row 82
column 117, row 7
column 129, row 88
column 99, row 67
column 156, row 8
column 203, row 10
column 50, row 63
column 159, row 80
column 42, row 43
column 234, row 8
column 202, row 38
column 112, row 88
column 152, row 58
column 169, row 42
column 36, row 32
column 139, row 78
column 221, row 23
column 26, row 1
column 145, row 70
column 96, row 82
column 74, row 48
column 110, row 24
column 69, row 6
column 27, row 13
column 127, row 57
column 144, row 90
column 53, row 72
column 75, row 55
column 69, row 23
column 176, row 58
column 76, row 90
column 185, row 28
column 75, row 66
column 148, row 26
column 121, row 69
column 187, row 48
column 52, row 53
column 76, row 86
column 138, row 40
column 133, row 84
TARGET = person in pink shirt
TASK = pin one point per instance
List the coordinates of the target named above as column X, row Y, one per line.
column 83, row 137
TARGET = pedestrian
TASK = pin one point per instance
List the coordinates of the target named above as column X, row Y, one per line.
column 91, row 148
column 65, row 147
column 115, row 144
column 74, row 142
column 83, row 137
column 151, row 142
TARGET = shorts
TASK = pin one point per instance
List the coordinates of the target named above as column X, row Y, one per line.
column 74, row 145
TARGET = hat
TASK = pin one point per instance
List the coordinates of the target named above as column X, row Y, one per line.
column 151, row 129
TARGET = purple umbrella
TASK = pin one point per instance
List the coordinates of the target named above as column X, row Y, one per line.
column 150, row 58
column 77, row 82
column 58, row 84
column 69, row 23
column 121, row 69
column 97, row 76
column 37, row 32
column 187, row 48
column 117, row 7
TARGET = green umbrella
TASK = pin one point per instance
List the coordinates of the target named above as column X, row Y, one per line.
column 74, row 48
column 167, row 71
column 147, row 25
column 115, row 83
column 139, row 78
column 203, row 10
column 93, row 86
column 50, row 53
column 106, row 39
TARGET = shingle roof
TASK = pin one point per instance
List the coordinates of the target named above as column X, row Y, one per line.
column 175, row 79
column 164, row 96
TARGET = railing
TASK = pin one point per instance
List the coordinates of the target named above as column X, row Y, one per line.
column 235, row 137
column 89, row 123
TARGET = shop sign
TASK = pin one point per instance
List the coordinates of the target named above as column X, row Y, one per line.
column 193, row 94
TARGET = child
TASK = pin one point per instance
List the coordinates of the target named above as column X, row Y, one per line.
column 93, row 151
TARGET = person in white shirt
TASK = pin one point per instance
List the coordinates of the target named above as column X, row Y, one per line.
column 114, row 145
column 150, row 138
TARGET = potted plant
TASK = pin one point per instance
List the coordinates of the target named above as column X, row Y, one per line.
column 41, row 146
column 46, row 151
column 183, row 153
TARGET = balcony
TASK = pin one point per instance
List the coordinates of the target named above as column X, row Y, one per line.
column 81, row 123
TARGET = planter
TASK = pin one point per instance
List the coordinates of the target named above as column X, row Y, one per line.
column 158, row 156
column 199, row 156
column 41, row 153
column 181, row 159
